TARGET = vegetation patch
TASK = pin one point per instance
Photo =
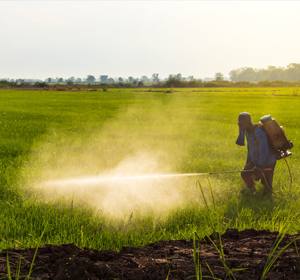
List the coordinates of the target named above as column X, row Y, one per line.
column 52, row 137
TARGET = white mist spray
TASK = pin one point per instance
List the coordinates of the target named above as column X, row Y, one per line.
column 149, row 142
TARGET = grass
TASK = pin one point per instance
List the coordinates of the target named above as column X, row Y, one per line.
column 272, row 257
column 46, row 135
column 211, row 214
column 18, row 268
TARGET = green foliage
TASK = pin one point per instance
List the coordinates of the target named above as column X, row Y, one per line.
column 70, row 83
column 272, row 257
column 211, row 217
column 219, row 77
column 90, row 79
column 196, row 132
column 4, row 83
column 140, row 84
column 41, row 85
column 18, row 268
column 280, row 75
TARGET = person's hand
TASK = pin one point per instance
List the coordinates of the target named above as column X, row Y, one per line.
column 257, row 170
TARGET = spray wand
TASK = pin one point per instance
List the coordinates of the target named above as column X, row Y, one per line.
column 222, row 172
column 96, row 180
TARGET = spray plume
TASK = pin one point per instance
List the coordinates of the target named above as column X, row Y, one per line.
column 126, row 165
column 99, row 180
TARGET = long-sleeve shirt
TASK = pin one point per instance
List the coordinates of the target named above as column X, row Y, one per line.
column 258, row 148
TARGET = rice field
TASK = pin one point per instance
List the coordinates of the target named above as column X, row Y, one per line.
column 57, row 136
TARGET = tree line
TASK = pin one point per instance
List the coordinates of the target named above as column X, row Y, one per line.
column 240, row 77
column 106, row 79
column 170, row 84
column 272, row 73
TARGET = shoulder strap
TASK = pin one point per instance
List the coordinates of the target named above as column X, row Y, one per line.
column 253, row 128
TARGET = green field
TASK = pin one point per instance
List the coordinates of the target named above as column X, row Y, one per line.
column 48, row 136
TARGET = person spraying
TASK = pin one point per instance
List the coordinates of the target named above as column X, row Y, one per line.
column 259, row 156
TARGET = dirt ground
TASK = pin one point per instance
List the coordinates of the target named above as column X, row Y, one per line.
column 247, row 249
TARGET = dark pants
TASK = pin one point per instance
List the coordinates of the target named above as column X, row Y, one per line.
column 266, row 177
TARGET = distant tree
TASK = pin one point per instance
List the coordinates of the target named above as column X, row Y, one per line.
column 60, row 80
column 191, row 78
column 70, row 82
column 247, row 74
column 41, row 85
column 234, row 74
column 219, row 77
column 144, row 79
column 90, row 79
column 135, row 81
column 140, row 84
column 261, row 75
column 48, row 80
column 179, row 77
column 272, row 73
column 293, row 72
column 120, row 80
column 130, row 79
column 173, row 81
column 155, row 77
column 78, row 80
column 110, row 80
column 72, row 79
column 103, row 78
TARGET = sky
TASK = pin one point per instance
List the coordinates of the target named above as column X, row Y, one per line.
column 41, row 39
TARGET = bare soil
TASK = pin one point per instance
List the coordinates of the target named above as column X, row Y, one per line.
column 244, row 249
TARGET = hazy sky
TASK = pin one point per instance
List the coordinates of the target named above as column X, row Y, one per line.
column 41, row 39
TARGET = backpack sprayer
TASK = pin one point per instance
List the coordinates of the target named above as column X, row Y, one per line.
column 277, row 139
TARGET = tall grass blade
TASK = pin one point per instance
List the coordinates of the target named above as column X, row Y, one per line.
column 196, row 255
column 212, row 274
column 8, row 267
column 217, row 236
column 18, row 270
column 270, row 260
column 38, row 244
column 282, row 232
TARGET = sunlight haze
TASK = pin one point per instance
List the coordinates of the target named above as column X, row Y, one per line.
column 41, row 39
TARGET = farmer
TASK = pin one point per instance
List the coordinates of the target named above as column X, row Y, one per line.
column 258, row 157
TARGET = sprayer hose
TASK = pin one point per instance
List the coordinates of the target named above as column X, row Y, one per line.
column 267, row 182
column 291, row 179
